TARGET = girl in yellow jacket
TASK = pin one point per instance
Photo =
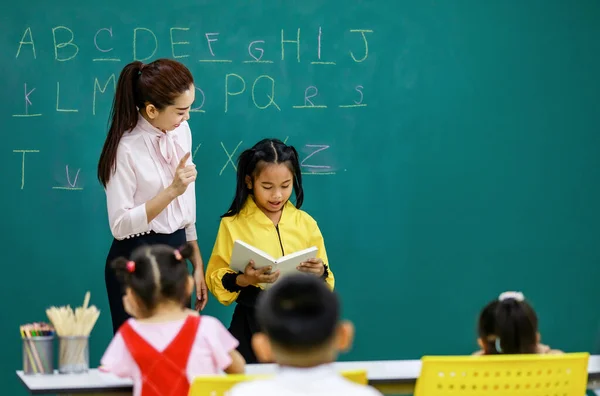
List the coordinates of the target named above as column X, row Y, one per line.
column 262, row 215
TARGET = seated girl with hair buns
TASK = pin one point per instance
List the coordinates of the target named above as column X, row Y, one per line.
column 165, row 344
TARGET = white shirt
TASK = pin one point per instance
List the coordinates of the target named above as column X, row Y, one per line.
column 316, row 381
column 146, row 162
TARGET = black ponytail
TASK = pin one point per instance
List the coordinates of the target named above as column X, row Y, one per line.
column 508, row 326
column 268, row 151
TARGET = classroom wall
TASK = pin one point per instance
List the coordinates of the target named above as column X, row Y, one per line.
column 450, row 152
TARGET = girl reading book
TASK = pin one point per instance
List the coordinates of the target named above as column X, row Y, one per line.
column 262, row 215
column 165, row 345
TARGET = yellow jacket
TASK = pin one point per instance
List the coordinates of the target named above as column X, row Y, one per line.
column 297, row 230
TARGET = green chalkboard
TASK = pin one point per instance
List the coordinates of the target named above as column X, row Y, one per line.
column 451, row 151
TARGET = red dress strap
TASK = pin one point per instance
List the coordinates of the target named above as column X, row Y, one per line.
column 163, row 373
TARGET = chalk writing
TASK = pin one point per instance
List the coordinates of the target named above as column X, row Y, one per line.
column 174, row 43
column 209, row 40
column 353, row 106
column 145, row 46
column 58, row 101
column 319, row 44
column 109, row 30
column 358, row 103
column 271, row 97
column 65, row 44
column 71, row 185
column 320, row 62
column 196, row 150
column 362, row 32
column 23, row 164
column 27, row 104
column 198, row 109
column 309, row 166
column 229, row 157
column 102, row 90
column 319, row 148
column 307, row 100
column 297, row 41
column 318, row 173
column 262, row 52
column 22, row 42
column 227, row 93
column 135, row 37
column 359, row 89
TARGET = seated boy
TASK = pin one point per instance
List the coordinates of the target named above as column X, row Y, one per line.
column 301, row 331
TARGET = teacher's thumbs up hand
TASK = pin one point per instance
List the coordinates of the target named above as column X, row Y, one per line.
column 184, row 175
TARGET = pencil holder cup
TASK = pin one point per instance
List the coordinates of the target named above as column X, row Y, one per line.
column 38, row 355
column 73, row 354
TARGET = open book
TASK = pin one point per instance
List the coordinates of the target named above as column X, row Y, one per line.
column 243, row 253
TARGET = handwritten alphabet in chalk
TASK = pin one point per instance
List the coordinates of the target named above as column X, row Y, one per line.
column 315, row 163
column 263, row 90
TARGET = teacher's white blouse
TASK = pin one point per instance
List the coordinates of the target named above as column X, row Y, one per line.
column 146, row 162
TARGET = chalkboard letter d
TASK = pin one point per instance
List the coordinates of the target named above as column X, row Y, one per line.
column 135, row 44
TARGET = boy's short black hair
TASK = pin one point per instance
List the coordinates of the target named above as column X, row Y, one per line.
column 298, row 312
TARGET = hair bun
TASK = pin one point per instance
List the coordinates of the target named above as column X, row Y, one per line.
column 511, row 295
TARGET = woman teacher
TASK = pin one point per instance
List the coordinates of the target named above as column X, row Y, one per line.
column 146, row 169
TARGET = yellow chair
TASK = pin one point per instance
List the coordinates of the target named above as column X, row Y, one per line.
column 218, row 385
column 504, row 375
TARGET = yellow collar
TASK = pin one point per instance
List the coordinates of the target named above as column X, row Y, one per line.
column 250, row 209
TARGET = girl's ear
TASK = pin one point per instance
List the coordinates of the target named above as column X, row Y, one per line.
column 248, row 181
column 131, row 304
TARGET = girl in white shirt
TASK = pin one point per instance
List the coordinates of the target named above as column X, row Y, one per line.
column 146, row 169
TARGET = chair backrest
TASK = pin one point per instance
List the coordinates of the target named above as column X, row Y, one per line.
column 218, row 385
column 506, row 375
column 357, row 376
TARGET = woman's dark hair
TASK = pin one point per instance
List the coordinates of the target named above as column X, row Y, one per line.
column 250, row 162
column 155, row 273
column 508, row 326
column 158, row 83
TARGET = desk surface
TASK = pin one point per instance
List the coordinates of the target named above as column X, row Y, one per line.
column 384, row 371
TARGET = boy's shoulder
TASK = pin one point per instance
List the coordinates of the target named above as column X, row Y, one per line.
column 275, row 387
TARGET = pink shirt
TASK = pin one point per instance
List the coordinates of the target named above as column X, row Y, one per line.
column 209, row 355
column 146, row 162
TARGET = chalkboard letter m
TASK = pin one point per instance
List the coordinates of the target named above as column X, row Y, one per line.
column 102, row 89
